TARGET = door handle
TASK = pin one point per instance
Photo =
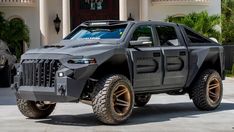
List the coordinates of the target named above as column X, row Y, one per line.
column 156, row 54
column 182, row 53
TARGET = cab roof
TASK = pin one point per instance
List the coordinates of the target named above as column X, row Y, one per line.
column 117, row 22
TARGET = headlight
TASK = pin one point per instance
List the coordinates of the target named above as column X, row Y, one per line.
column 60, row 74
column 83, row 61
column 2, row 60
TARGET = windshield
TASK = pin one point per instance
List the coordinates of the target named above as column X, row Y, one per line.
column 105, row 32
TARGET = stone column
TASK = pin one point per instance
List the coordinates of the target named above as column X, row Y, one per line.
column 123, row 10
column 44, row 21
column 66, row 17
column 144, row 10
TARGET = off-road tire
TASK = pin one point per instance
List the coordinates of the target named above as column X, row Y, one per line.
column 142, row 99
column 5, row 77
column 200, row 91
column 105, row 101
column 30, row 109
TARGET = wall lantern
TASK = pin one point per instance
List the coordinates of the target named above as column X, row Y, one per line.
column 57, row 23
column 130, row 17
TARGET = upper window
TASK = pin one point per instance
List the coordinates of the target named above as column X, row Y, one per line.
column 167, row 36
column 93, row 4
column 194, row 37
column 143, row 31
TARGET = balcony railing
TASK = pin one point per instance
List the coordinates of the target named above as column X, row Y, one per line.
column 29, row 3
column 181, row 2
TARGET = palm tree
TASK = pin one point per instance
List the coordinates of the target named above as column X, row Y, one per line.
column 227, row 21
column 227, row 9
column 200, row 22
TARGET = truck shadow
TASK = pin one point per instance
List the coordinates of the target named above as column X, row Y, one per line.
column 151, row 113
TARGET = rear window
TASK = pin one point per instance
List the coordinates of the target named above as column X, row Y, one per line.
column 194, row 37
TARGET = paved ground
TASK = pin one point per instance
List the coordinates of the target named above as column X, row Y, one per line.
column 164, row 113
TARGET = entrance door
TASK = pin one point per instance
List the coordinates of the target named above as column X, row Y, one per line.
column 84, row 10
column 175, row 62
column 146, row 62
column 19, row 49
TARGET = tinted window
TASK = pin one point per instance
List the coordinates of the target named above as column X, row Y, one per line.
column 195, row 38
column 101, row 32
column 143, row 31
column 167, row 36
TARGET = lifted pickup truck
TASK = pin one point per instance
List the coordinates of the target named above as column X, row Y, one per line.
column 116, row 65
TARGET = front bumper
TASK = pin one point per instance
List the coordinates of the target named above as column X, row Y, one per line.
column 66, row 90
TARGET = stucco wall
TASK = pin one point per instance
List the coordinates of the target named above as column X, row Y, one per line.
column 31, row 19
column 160, row 12
column 55, row 7
column 133, row 8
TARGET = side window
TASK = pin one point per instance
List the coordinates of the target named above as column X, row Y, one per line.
column 195, row 38
column 143, row 31
column 167, row 36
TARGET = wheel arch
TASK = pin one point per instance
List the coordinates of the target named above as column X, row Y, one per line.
column 214, row 64
column 117, row 64
column 211, row 61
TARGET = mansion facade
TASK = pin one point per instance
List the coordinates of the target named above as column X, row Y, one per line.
column 40, row 15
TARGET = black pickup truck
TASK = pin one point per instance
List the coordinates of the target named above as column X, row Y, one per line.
column 116, row 65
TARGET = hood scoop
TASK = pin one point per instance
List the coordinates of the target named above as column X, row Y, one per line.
column 84, row 44
column 53, row 46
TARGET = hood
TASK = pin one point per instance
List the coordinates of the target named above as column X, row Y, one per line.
column 75, row 48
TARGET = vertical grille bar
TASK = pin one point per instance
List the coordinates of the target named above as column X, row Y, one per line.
column 44, row 70
column 39, row 72
column 30, row 65
column 51, row 72
column 34, row 62
column 23, row 74
column 26, row 74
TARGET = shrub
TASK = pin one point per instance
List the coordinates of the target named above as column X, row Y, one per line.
column 200, row 22
column 14, row 33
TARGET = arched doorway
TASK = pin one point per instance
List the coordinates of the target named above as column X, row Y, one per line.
column 83, row 10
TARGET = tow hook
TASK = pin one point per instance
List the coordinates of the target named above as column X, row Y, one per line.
column 62, row 90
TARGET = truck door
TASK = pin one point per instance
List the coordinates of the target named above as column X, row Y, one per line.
column 175, row 56
column 147, row 73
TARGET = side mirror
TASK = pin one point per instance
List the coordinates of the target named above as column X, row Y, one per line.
column 141, row 41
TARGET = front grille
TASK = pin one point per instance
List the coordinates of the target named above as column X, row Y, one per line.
column 39, row 72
